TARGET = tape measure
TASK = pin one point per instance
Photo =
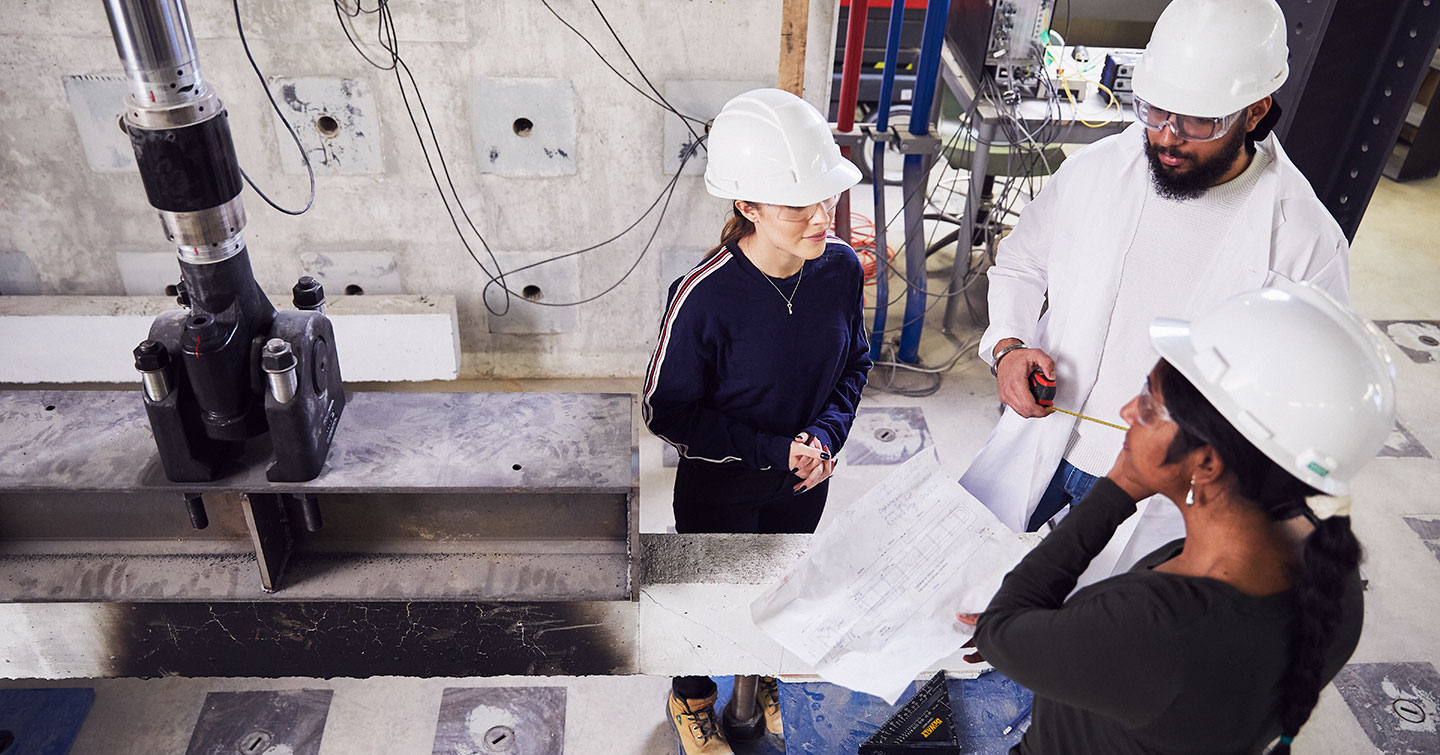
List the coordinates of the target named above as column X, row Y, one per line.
column 1043, row 389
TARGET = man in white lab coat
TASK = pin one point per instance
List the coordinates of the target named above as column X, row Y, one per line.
column 1193, row 204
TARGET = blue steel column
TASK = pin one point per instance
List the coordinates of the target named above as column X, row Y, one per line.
column 882, row 126
column 916, row 171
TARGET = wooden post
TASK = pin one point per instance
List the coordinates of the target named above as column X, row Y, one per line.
column 794, row 25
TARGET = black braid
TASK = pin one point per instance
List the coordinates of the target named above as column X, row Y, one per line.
column 1330, row 553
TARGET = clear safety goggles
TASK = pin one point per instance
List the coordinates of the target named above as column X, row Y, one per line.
column 793, row 214
column 1150, row 411
column 1193, row 128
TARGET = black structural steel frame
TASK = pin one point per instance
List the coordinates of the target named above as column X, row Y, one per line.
column 1355, row 67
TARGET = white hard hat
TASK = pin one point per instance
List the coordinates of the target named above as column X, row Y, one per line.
column 1300, row 375
column 1213, row 57
column 769, row 146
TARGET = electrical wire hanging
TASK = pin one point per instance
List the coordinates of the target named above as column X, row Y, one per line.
column 388, row 41
column 309, row 169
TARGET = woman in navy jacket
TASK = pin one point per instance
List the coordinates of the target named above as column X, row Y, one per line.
column 762, row 354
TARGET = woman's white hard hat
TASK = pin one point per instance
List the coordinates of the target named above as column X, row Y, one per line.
column 1300, row 375
column 769, row 146
column 1213, row 57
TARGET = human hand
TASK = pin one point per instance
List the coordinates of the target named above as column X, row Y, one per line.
column 818, row 472
column 970, row 619
column 1012, row 376
column 805, row 454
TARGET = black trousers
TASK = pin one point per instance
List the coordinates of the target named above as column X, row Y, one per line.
column 733, row 498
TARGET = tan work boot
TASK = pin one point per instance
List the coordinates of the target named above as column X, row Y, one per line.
column 697, row 728
column 768, row 698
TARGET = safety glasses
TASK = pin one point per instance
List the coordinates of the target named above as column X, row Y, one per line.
column 1193, row 128
column 1150, row 411
column 793, row 214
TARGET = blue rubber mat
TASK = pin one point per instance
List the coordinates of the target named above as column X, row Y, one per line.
column 42, row 721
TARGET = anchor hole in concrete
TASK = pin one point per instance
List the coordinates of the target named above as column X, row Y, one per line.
column 327, row 126
column 532, row 293
column 354, row 290
column 515, row 467
column 499, row 739
column 1409, row 710
column 49, row 407
column 522, row 126
column 255, row 742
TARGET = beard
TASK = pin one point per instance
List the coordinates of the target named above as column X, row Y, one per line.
column 1171, row 183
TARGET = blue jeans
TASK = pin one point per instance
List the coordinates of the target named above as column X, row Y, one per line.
column 1069, row 486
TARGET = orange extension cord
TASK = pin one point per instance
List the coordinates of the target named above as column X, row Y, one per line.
column 862, row 240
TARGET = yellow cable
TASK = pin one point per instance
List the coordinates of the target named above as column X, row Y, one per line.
column 1064, row 84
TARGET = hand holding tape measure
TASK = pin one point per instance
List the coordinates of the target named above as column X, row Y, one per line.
column 1043, row 389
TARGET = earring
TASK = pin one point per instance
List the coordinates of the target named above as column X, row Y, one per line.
column 1190, row 496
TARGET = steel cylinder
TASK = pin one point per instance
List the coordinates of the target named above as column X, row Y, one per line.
column 157, row 47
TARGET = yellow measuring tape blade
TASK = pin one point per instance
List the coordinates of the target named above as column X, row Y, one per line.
column 1092, row 419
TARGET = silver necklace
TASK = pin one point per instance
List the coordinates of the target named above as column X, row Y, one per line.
column 789, row 300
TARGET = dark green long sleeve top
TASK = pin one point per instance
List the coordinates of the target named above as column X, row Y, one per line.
column 1143, row 662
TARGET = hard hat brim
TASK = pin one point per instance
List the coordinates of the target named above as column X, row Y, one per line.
column 818, row 189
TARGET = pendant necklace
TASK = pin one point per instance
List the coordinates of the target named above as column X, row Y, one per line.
column 789, row 300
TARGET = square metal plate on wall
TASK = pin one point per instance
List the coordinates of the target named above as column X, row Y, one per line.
column 97, row 102
column 353, row 273
column 551, row 282
column 17, row 275
column 148, row 273
column 1419, row 339
column 509, row 720
column 702, row 101
column 1395, row 703
column 288, row 722
column 524, row 127
column 336, row 121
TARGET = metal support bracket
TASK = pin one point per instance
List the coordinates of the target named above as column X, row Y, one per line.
column 270, row 533
column 904, row 141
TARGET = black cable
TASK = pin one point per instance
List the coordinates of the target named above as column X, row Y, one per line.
column 390, row 43
column 660, row 103
column 643, row 77
column 310, row 169
column 668, row 193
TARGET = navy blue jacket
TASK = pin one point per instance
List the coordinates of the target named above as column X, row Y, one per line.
column 735, row 378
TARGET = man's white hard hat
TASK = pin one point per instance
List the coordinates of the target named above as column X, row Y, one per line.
column 1213, row 57
column 1300, row 375
column 769, row 146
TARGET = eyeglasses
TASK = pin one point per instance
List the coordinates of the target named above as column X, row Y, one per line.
column 1150, row 411
column 793, row 214
column 1193, row 128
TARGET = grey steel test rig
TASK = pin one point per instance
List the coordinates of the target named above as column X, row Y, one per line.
column 229, row 367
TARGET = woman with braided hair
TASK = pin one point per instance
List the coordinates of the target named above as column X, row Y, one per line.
column 1255, row 420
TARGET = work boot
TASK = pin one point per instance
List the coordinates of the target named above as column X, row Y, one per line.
column 697, row 728
column 767, row 697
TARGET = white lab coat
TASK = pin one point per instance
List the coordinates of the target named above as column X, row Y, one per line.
column 1070, row 242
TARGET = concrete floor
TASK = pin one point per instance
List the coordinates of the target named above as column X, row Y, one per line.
column 1396, row 276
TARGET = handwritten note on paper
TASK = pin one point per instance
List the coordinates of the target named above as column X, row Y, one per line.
column 873, row 602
